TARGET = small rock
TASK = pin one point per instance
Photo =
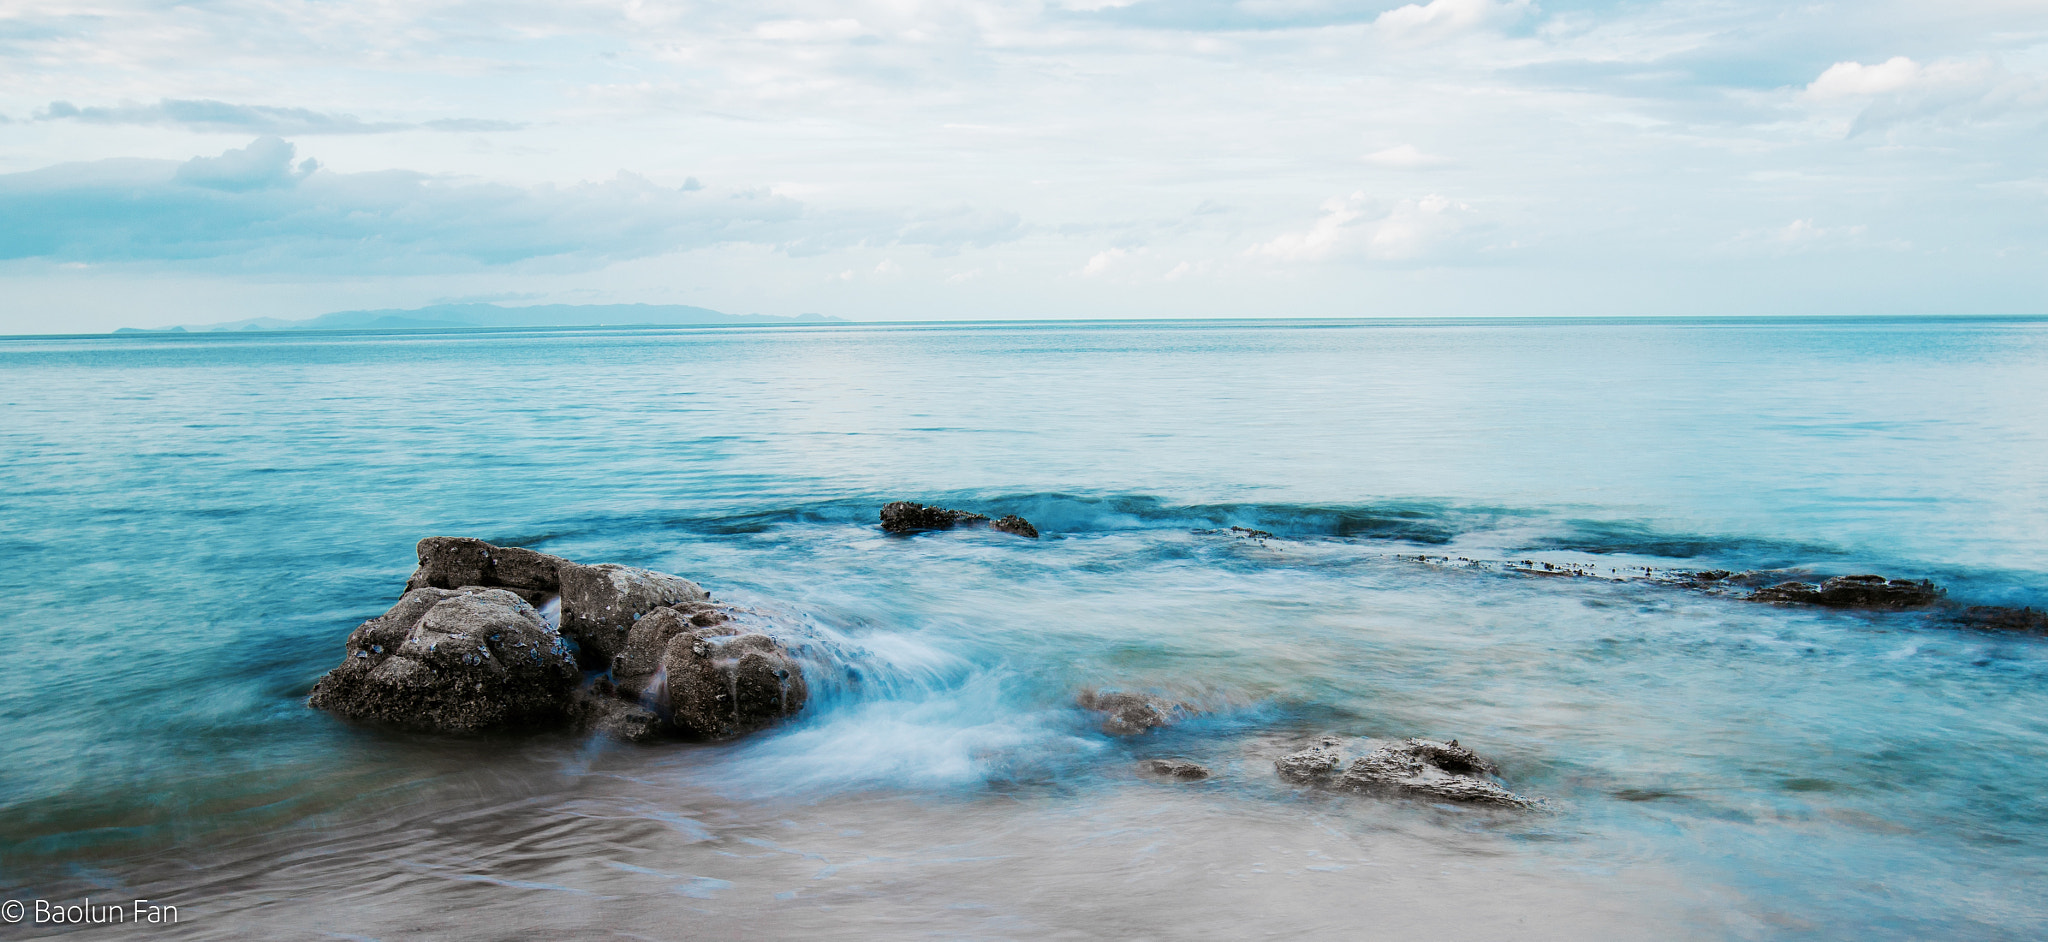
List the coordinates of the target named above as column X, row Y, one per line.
column 1129, row 714
column 1014, row 525
column 1311, row 764
column 599, row 710
column 1430, row 769
column 1860, row 592
column 1175, row 768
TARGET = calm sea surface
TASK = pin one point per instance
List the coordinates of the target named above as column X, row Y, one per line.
column 191, row 525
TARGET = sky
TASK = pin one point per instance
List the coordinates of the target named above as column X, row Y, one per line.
column 212, row 160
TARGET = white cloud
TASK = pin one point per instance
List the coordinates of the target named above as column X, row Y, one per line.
column 1102, row 262
column 1358, row 227
column 1901, row 91
column 1854, row 78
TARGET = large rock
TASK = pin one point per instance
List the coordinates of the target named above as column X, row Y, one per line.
column 721, row 683
column 451, row 562
column 1864, row 592
column 453, row 660
column 694, row 664
column 1429, row 769
column 601, row 603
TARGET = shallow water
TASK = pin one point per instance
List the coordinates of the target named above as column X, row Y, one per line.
column 193, row 524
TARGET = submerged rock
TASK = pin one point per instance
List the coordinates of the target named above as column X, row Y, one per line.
column 1430, row 769
column 598, row 709
column 453, row 660
column 1863, row 592
column 908, row 517
column 601, row 603
column 1176, row 768
column 1128, row 714
column 1312, row 764
column 2001, row 618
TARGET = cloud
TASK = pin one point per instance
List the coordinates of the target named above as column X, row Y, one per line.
column 1102, row 262
column 1403, row 157
column 1901, row 91
column 255, row 208
column 1804, row 235
column 252, row 208
column 264, row 164
column 1361, row 228
column 960, row 226
column 208, row 115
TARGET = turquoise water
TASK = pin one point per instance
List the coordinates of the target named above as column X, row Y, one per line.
column 193, row 524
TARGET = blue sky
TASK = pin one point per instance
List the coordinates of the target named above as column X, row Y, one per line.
column 220, row 159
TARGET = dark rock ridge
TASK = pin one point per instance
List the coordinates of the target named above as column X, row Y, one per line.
column 1862, row 592
column 465, row 649
column 908, row 517
column 2001, row 618
column 1414, row 768
column 1128, row 714
column 453, row 659
column 1855, row 592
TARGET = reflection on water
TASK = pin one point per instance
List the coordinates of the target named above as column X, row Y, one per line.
column 195, row 525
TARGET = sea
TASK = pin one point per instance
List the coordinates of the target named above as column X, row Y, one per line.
column 192, row 524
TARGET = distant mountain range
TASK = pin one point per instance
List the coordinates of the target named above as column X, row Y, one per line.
column 490, row 315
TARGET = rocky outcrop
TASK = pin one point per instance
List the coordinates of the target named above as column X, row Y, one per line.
column 601, row 603
column 465, row 649
column 908, row 517
column 1128, row 714
column 1425, row 768
column 1861, row 592
column 1175, row 768
column 454, row 660
column 1311, row 765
